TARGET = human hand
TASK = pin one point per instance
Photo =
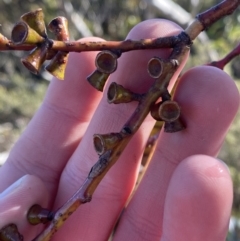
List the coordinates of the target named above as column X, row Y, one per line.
column 185, row 194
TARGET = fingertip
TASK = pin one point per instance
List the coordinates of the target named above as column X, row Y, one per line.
column 155, row 28
column 16, row 200
column 209, row 101
column 151, row 26
column 138, row 60
column 209, row 86
column 198, row 201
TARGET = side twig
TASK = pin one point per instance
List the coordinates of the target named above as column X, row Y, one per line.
column 228, row 58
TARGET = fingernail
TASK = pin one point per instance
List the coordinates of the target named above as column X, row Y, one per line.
column 13, row 187
column 224, row 165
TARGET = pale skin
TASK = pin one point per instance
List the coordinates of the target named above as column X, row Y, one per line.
column 186, row 193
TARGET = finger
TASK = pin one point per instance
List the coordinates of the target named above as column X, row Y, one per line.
column 209, row 101
column 111, row 195
column 16, row 200
column 198, row 202
column 55, row 131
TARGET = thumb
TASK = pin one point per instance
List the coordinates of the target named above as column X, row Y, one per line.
column 16, row 200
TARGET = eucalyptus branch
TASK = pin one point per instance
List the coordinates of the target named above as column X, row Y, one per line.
column 111, row 146
column 29, row 35
column 25, row 38
column 228, row 58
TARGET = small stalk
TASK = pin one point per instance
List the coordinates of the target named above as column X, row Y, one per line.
column 117, row 94
column 174, row 126
column 36, row 215
column 36, row 58
column 57, row 66
column 10, row 233
column 154, row 111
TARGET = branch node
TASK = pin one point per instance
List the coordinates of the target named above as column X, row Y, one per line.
column 126, row 130
column 99, row 167
column 85, row 199
column 33, row 62
column 174, row 126
column 185, row 39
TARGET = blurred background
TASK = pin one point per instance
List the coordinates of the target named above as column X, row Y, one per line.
column 22, row 92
